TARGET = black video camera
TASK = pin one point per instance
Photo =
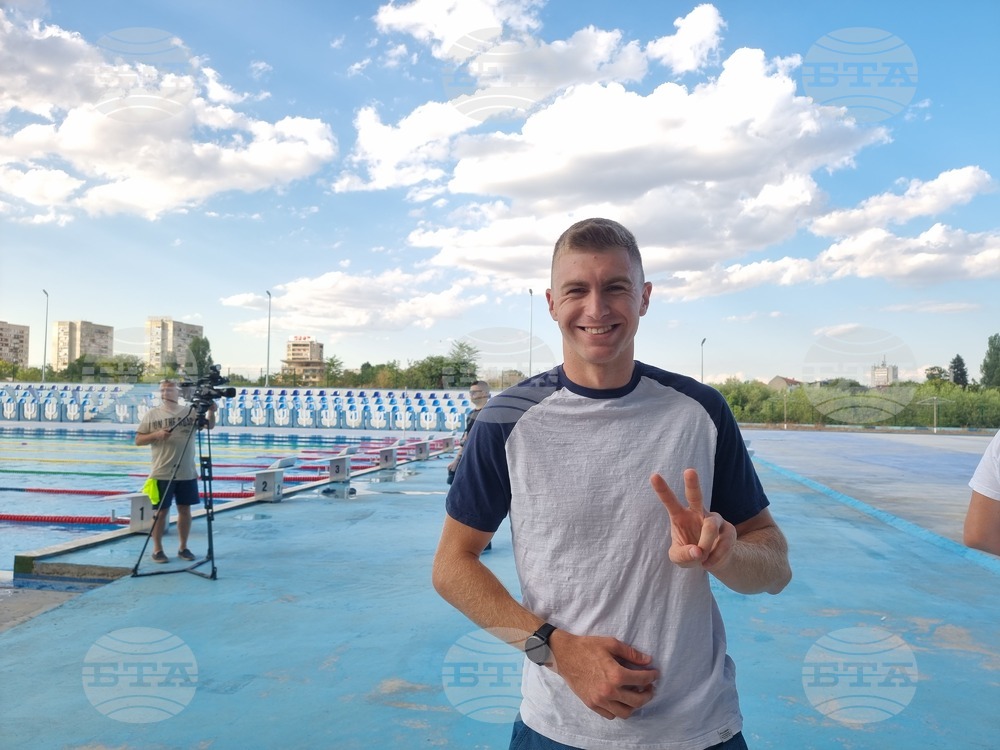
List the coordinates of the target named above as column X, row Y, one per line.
column 203, row 391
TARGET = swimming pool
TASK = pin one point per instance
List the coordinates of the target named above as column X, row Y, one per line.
column 61, row 484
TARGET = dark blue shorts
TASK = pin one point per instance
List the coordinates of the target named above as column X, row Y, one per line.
column 183, row 491
column 525, row 738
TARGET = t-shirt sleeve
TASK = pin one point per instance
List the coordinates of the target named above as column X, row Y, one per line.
column 479, row 496
column 986, row 479
column 737, row 494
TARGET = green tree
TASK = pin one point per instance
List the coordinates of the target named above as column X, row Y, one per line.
column 959, row 375
column 430, row 372
column 200, row 354
column 8, row 370
column 236, row 379
column 461, row 367
column 333, row 370
column 389, row 375
column 169, row 368
column 990, row 368
column 750, row 400
column 936, row 373
column 366, row 374
column 80, row 370
column 509, row 378
column 121, row 368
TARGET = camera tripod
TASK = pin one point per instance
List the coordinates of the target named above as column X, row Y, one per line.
column 205, row 465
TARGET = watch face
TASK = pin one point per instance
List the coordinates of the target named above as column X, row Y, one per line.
column 537, row 649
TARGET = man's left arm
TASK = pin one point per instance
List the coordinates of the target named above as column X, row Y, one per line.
column 750, row 557
column 758, row 560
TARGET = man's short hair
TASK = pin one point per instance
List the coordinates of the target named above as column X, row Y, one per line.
column 599, row 234
column 481, row 384
column 168, row 380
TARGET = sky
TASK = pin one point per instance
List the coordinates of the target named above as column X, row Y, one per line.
column 813, row 186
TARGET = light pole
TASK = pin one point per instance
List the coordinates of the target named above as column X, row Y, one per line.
column 703, row 360
column 531, row 327
column 935, row 400
column 45, row 337
column 267, row 372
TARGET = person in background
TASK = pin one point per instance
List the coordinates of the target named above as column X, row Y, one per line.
column 479, row 395
column 624, row 642
column 982, row 521
column 168, row 429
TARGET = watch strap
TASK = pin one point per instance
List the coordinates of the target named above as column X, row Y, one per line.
column 545, row 631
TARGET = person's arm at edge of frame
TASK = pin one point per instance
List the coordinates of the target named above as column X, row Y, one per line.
column 982, row 524
column 590, row 664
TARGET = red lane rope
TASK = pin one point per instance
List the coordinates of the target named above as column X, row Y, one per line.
column 89, row 520
column 68, row 491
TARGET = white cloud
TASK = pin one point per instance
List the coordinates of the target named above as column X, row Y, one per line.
column 336, row 303
column 245, row 299
column 939, row 254
column 405, row 154
column 755, row 315
column 40, row 187
column 719, row 279
column 396, row 56
column 936, row 254
column 218, row 92
column 696, row 42
column 949, row 189
column 946, row 308
column 700, row 175
column 358, row 68
column 259, row 68
column 140, row 149
column 443, row 24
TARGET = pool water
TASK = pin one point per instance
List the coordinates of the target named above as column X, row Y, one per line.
column 54, row 478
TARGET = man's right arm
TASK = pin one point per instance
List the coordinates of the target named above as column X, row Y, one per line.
column 590, row 665
column 460, row 577
column 146, row 438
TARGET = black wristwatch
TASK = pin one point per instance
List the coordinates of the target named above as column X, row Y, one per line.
column 536, row 646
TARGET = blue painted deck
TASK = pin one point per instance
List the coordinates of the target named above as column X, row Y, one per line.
column 322, row 630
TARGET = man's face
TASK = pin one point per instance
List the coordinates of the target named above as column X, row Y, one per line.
column 597, row 298
column 169, row 392
column 478, row 396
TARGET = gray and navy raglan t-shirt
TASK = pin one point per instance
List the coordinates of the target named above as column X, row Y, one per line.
column 570, row 466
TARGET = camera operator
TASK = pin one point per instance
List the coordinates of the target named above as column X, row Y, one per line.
column 168, row 429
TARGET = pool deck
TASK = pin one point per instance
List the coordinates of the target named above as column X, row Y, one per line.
column 322, row 630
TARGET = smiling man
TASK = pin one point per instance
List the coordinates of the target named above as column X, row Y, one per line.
column 625, row 647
